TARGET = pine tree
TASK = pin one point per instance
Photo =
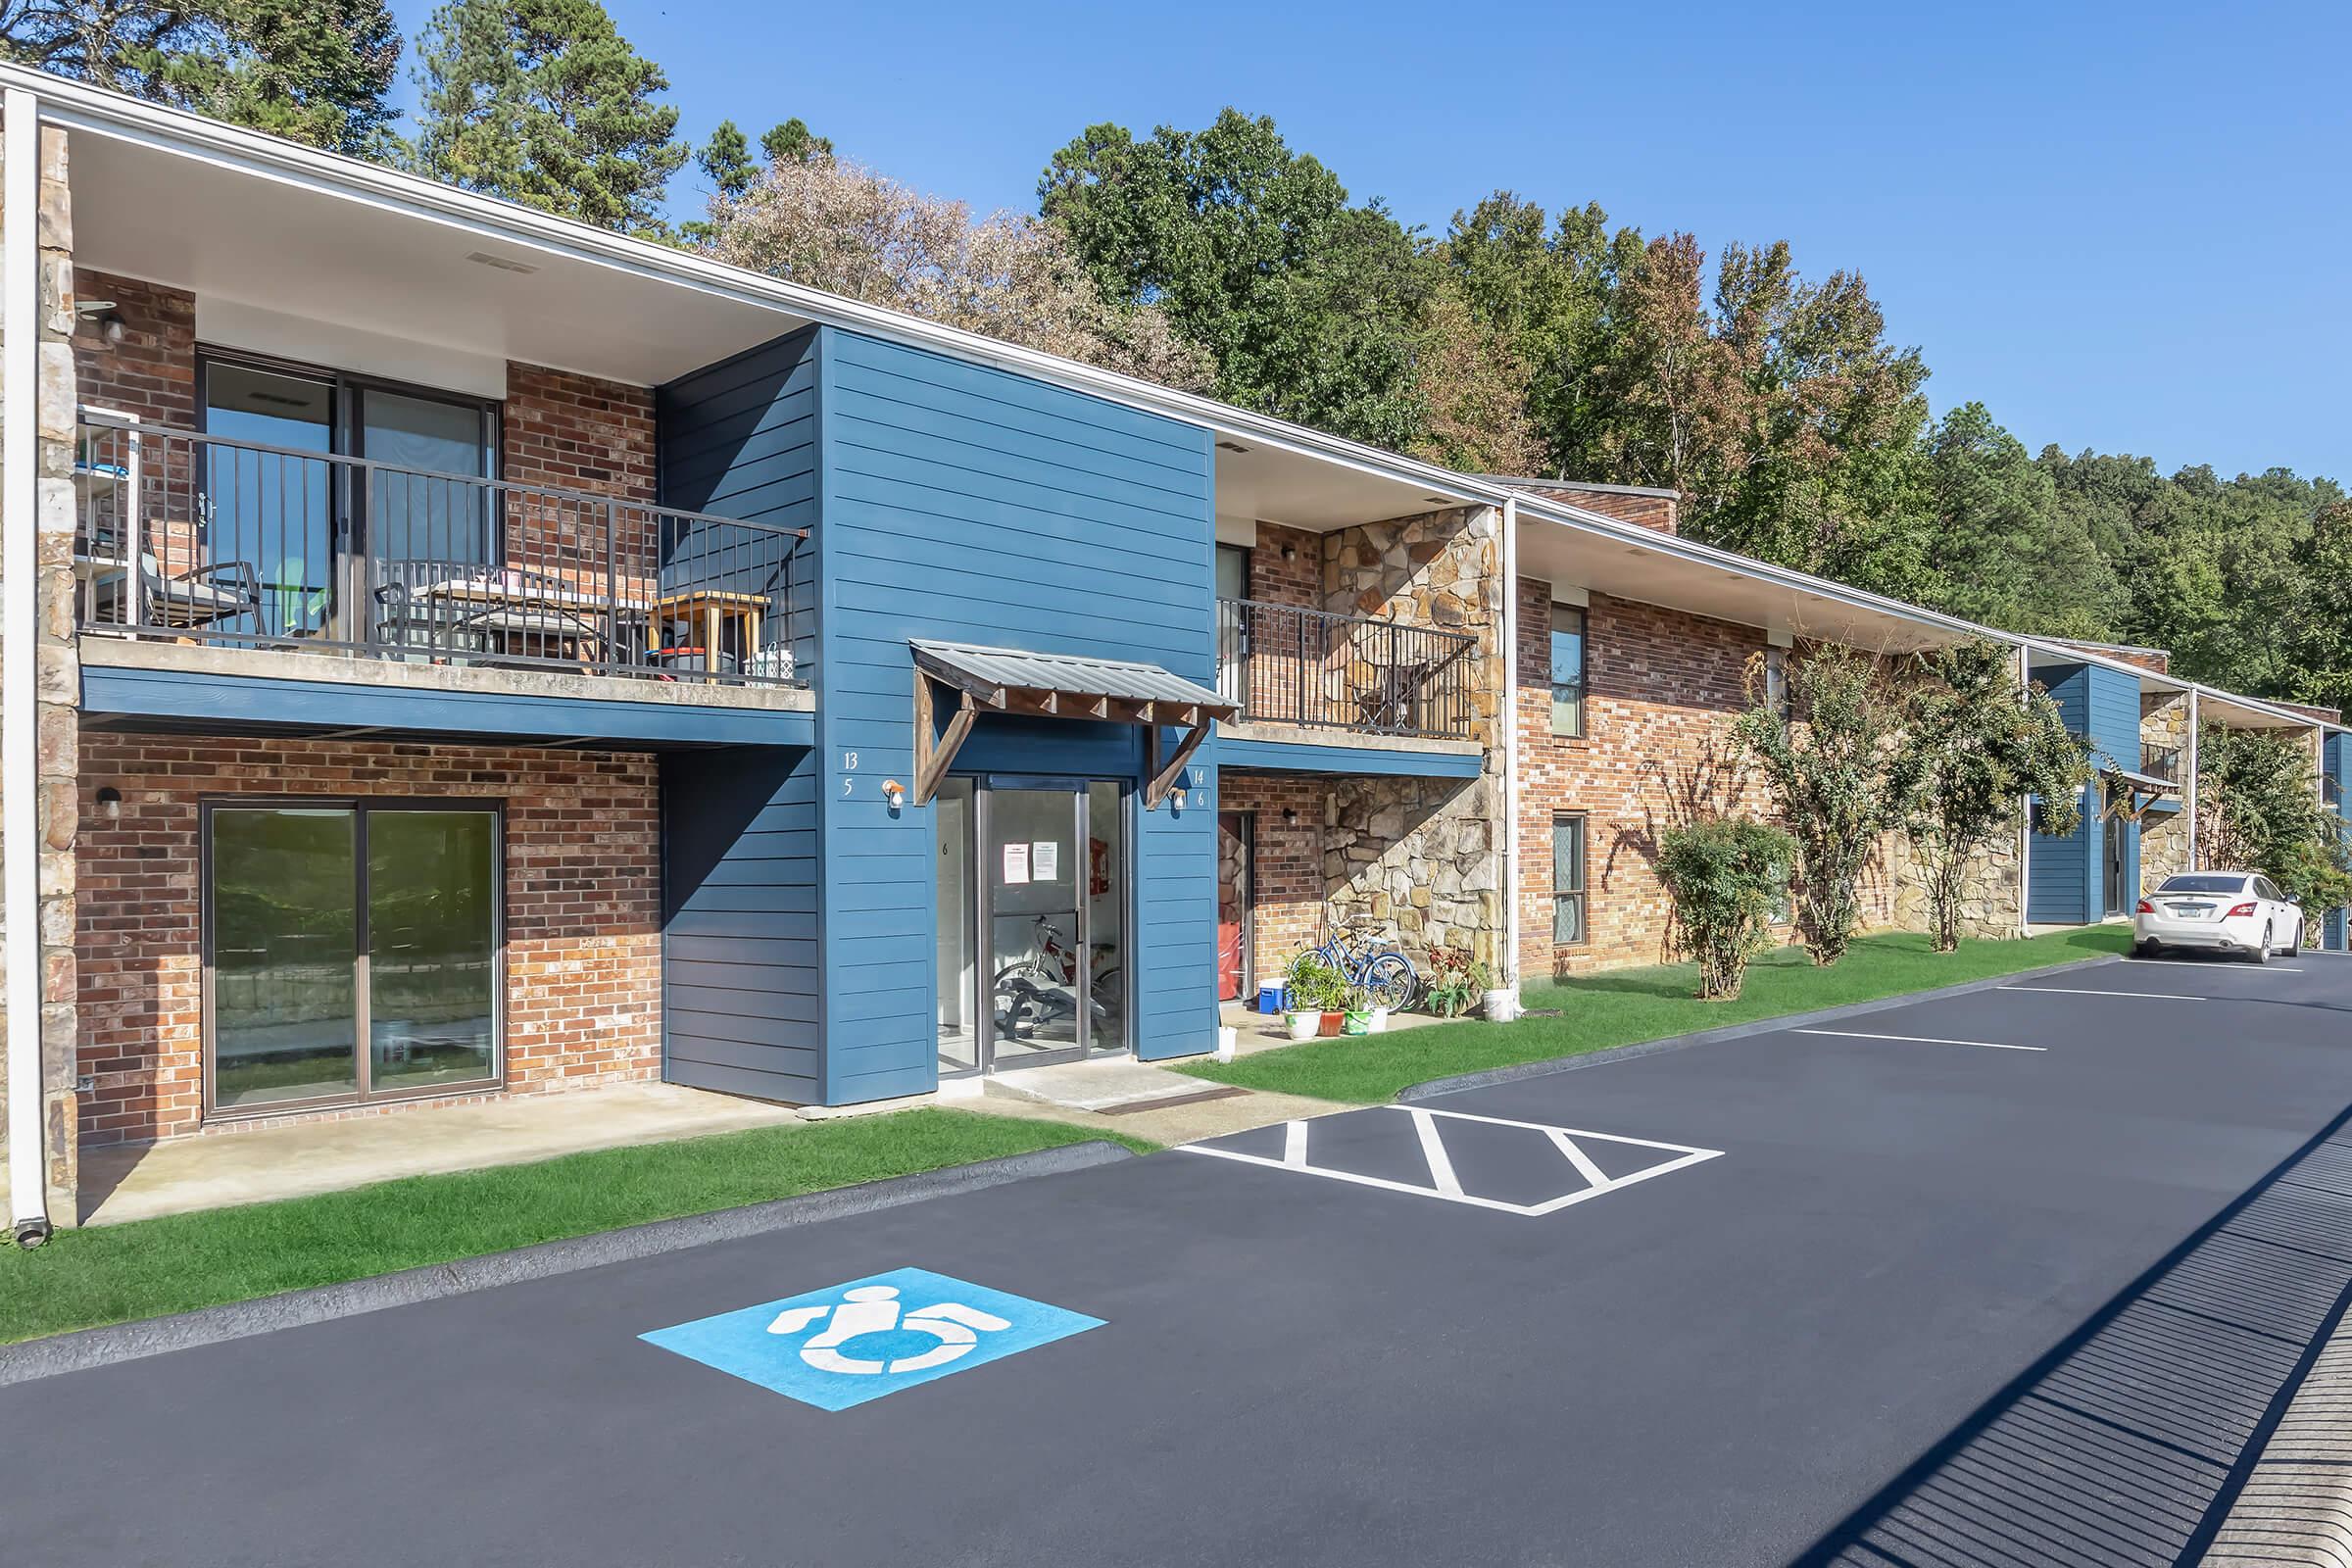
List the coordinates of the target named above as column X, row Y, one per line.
column 544, row 103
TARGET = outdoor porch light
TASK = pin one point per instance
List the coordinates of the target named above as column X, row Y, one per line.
column 894, row 793
column 110, row 804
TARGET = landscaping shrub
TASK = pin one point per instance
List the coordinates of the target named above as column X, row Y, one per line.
column 1721, row 876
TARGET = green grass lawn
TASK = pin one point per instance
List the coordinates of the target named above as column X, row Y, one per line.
column 111, row 1273
column 1621, row 1006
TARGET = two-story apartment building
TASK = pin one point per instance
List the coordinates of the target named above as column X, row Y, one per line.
column 451, row 652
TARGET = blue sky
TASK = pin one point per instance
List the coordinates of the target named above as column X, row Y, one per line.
column 2120, row 226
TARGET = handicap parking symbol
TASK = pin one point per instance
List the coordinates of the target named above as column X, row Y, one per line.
column 848, row 1344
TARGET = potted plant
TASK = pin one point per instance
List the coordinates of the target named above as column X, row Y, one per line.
column 1309, row 984
column 1356, row 1016
column 1456, row 982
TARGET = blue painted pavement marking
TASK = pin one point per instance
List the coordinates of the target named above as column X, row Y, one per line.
column 847, row 1344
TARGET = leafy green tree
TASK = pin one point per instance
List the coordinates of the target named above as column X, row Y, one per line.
column 544, row 103
column 1722, row 874
column 1824, row 750
column 2005, row 553
column 1309, row 307
column 315, row 72
column 1544, row 288
column 1974, row 747
column 2259, row 808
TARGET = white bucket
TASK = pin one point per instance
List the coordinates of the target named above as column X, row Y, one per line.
column 1227, row 1038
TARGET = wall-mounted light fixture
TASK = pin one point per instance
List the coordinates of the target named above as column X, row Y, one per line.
column 1290, row 816
column 894, row 794
column 110, row 804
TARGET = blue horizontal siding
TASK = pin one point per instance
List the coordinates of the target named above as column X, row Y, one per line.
column 963, row 503
column 1369, row 762
column 741, row 959
column 194, row 697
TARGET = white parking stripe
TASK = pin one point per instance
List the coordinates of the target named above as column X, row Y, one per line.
column 1593, row 1181
column 1433, row 1149
column 1577, row 1157
column 1923, row 1040
column 2074, row 991
column 2225, row 967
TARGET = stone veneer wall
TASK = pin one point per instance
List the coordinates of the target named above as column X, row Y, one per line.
column 57, row 679
column 581, row 912
column 1422, row 852
column 2164, row 837
column 1991, row 892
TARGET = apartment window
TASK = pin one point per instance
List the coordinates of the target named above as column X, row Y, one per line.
column 1567, row 669
column 1567, row 880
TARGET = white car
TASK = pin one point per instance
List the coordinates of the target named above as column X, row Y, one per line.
column 2220, row 911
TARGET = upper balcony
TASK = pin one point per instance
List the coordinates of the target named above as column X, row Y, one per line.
column 184, row 539
column 1288, row 665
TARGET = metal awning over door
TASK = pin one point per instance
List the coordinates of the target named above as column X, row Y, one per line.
column 1014, row 680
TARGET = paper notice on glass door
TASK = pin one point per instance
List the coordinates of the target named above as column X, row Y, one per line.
column 1017, row 864
column 1044, row 861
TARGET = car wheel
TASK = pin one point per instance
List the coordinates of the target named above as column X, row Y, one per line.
column 2296, row 946
column 2144, row 950
column 2262, row 953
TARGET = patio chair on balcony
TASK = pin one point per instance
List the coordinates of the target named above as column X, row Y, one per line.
column 479, row 612
column 188, row 599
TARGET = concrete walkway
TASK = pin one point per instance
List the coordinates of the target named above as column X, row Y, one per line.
column 140, row 1181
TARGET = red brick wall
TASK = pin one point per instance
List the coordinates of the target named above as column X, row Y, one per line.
column 1299, row 580
column 1656, row 512
column 1286, row 907
column 150, row 375
column 578, row 433
column 1660, row 687
column 581, row 905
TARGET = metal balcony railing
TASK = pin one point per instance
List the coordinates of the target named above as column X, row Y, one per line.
column 1289, row 665
column 2161, row 761
column 190, row 537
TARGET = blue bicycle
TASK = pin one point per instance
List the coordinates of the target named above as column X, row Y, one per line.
column 1387, row 976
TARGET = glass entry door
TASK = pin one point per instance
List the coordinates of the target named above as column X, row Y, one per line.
column 1032, row 891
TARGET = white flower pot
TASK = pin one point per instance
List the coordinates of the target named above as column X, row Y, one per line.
column 1302, row 1025
column 1380, row 1020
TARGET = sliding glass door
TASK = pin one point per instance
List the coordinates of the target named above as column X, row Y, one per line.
column 352, row 950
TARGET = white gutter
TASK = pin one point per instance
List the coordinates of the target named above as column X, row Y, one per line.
column 20, row 617
column 1507, row 848
column 2189, row 784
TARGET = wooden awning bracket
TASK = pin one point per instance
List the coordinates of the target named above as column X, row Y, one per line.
column 933, row 750
column 1162, row 777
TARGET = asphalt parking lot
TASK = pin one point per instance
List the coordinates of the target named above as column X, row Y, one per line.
column 2013, row 1276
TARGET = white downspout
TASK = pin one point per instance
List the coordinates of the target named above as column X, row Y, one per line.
column 2025, row 826
column 2189, row 785
column 1502, row 1002
column 20, row 764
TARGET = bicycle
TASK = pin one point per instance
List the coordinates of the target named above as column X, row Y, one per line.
column 1037, row 991
column 1386, row 975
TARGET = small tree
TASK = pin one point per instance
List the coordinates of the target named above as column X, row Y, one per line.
column 2259, row 810
column 1722, row 873
column 1824, row 753
column 1975, row 748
